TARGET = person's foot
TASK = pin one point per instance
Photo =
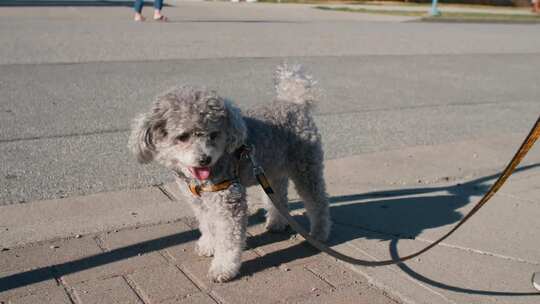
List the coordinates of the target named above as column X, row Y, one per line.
column 139, row 18
column 160, row 18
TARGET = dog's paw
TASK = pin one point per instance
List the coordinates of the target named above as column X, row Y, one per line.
column 220, row 273
column 321, row 236
column 204, row 248
column 276, row 226
column 276, row 223
column 321, row 232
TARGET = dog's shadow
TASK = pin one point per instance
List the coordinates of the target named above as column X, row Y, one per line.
column 387, row 216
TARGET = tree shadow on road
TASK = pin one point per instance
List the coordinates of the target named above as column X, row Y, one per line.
column 383, row 215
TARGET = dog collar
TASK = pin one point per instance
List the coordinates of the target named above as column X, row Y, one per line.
column 242, row 152
column 196, row 188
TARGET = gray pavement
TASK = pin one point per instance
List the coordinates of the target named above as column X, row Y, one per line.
column 63, row 134
column 224, row 30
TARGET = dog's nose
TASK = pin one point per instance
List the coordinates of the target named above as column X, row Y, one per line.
column 205, row 160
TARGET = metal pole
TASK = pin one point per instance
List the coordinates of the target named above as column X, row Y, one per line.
column 434, row 10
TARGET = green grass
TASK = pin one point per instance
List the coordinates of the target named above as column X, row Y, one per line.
column 483, row 17
column 445, row 16
column 384, row 3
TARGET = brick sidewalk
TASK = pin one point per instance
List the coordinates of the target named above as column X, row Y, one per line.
column 157, row 264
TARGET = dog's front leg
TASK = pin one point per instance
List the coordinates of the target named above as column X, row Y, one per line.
column 229, row 220
column 205, row 244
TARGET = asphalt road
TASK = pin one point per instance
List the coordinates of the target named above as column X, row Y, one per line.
column 71, row 79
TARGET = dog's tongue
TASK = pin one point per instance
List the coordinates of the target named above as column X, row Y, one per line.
column 201, row 173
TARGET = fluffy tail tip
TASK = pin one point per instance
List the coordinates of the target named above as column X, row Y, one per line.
column 293, row 84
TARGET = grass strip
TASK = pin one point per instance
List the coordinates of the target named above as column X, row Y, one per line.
column 445, row 16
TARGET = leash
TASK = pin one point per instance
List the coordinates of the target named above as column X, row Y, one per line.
column 527, row 144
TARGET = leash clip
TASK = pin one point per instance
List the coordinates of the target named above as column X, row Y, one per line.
column 195, row 188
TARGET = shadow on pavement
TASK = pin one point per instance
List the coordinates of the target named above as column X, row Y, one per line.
column 234, row 21
column 56, row 271
column 384, row 218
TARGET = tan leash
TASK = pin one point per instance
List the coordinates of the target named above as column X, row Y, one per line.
column 520, row 154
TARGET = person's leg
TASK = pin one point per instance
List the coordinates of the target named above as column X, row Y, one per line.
column 158, row 4
column 137, row 7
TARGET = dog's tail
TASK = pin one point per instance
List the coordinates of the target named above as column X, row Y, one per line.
column 293, row 84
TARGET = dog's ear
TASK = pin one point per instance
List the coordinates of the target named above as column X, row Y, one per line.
column 237, row 131
column 145, row 131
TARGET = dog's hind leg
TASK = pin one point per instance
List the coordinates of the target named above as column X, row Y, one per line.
column 274, row 221
column 309, row 181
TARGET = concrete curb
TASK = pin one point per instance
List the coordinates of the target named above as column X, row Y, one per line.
column 63, row 218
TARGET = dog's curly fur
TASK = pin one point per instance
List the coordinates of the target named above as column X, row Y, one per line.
column 190, row 128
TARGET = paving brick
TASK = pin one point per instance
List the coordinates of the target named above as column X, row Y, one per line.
column 161, row 283
column 366, row 295
column 19, row 284
column 291, row 254
column 270, row 287
column 259, row 236
column 334, row 273
column 150, row 238
column 182, row 252
column 281, row 248
column 109, row 264
column 112, row 290
column 46, row 296
column 50, row 253
column 197, row 268
column 198, row 298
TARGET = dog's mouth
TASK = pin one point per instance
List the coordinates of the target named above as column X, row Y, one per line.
column 200, row 173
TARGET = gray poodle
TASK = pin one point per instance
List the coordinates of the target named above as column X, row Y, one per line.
column 201, row 137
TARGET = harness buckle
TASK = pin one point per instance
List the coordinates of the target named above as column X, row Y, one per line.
column 195, row 188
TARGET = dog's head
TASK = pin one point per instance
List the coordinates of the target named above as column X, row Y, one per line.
column 188, row 130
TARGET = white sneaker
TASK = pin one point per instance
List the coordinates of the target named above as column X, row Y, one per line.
column 536, row 280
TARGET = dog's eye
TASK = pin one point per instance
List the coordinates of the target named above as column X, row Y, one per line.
column 183, row 137
column 214, row 135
